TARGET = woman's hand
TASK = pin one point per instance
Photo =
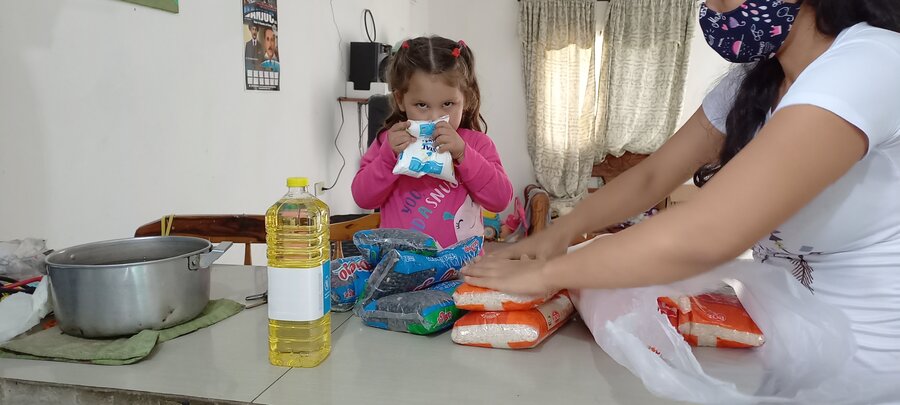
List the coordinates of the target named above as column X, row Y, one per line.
column 446, row 139
column 398, row 138
column 524, row 276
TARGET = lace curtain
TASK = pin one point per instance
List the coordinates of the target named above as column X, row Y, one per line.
column 574, row 121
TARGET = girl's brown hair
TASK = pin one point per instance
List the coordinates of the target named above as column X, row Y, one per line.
column 438, row 56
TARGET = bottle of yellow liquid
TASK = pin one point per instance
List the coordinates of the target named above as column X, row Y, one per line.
column 299, row 278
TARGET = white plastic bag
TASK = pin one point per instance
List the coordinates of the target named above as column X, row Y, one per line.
column 807, row 341
column 22, row 258
column 20, row 312
column 420, row 158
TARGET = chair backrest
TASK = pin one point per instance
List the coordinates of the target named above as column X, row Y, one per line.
column 344, row 226
column 611, row 167
column 537, row 206
column 246, row 229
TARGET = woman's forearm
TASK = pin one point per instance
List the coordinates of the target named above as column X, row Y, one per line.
column 636, row 257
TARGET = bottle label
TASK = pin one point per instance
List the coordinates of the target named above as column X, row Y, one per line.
column 298, row 295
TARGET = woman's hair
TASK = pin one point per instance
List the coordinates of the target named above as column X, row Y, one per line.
column 759, row 91
column 438, row 56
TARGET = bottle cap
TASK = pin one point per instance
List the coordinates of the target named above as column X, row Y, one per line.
column 297, row 182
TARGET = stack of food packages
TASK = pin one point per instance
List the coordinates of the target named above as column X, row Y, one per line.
column 508, row 321
column 402, row 281
column 714, row 319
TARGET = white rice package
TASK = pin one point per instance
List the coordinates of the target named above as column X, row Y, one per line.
column 513, row 329
column 473, row 298
column 420, row 158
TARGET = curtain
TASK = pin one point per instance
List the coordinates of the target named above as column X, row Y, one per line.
column 646, row 46
column 558, row 40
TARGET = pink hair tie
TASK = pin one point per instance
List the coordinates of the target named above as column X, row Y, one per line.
column 405, row 45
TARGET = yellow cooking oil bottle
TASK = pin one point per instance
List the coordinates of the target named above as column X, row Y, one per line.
column 299, row 256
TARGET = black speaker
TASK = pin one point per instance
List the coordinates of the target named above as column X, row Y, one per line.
column 367, row 63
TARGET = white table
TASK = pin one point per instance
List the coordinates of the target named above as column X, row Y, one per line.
column 374, row 366
column 229, row 362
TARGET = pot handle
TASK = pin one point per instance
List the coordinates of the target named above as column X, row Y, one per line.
column 207, row 259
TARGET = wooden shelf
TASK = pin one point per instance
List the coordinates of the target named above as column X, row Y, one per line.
column 353, row 100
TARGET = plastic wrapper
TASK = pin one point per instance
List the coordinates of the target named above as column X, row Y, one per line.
column 513, row 329
column 473, row 298
column 806, row 358
column 714, row 319
column 373, row 244
column 343, row 282
column 359, row 284
column 419, row 312
column 420, row 158
column 401, row 272
column 22, row 258
column 20, row 312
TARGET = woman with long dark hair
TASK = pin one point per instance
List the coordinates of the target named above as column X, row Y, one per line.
column 798, row 155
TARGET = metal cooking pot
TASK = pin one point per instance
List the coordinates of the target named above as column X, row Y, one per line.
column 120, row 287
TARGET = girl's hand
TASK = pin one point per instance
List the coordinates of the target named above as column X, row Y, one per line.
column 446, row 139
column 524, row 276
column 398, row 138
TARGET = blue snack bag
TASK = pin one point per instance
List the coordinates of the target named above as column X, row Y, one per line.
column 373, row 244
column 418, row 312
column 344, row 274
column 401, row 272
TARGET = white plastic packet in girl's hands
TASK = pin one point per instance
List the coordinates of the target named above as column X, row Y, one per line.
column 420, row 158
column 808, row 342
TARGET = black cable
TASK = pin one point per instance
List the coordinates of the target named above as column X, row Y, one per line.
column 336, row 137
column 363, row 133
column 340, row 38
column 374, row 36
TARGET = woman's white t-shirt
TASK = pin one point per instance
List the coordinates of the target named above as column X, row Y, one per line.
column 845, row 245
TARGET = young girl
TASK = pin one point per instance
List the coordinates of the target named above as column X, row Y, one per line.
column 433, row 77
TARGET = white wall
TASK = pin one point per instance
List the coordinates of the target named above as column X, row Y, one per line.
column 113, row 114
column 705, row 69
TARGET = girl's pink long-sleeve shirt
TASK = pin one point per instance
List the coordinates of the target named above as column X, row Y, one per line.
column 446, row 212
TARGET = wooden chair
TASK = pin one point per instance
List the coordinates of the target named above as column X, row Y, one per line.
column 539, row 204
column 607, row 170
column 247, row 229
column 344, row 226
column 610, row 168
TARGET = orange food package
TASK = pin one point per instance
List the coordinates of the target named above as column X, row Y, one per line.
column 471, row 298
column 715, row 319
column 513, row 329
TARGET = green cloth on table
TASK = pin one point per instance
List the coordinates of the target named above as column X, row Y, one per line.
column 52, row 344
